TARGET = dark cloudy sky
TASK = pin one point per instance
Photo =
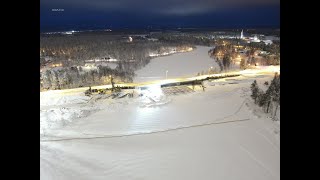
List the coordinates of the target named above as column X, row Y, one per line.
column 82, row 14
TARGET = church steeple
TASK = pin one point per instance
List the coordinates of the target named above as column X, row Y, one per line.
column 241, row 36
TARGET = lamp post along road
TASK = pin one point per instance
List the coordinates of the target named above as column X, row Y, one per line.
column 210, row 69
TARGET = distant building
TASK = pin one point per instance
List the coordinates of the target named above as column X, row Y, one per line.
column 254, row 39
column 69, row 32
column 53, row 65
column 261, row 52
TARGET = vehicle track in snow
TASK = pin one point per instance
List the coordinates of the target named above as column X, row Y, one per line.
column 144, row 133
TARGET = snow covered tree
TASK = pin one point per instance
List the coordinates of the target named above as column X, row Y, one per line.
column 262, row 98
column 276, row 97
column 226, row 61
column 218, row 61
column 93, row 75
column 46, row 79
column 254, row 91
column 242, row 64
column 271, row 95
column 55, row 79
column 68, row 79
column 268, row 97
column 253, row 61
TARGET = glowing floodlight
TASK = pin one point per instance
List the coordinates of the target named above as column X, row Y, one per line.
column 154, row 90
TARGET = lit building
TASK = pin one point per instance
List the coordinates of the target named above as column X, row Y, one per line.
column 267, row 41
column 254, row 39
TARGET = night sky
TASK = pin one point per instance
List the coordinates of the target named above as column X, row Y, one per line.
column 101, row 14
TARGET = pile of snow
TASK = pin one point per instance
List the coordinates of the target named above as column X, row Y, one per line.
column 58, row 108
column 53, row 98
column 58, row 117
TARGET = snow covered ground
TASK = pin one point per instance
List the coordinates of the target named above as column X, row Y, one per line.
column 177, row 65
column 216, row 134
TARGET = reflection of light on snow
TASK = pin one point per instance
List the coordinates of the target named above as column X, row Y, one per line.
column 154, row 91
column 142, row 118
column 142, row 112
column 262, row 69
column 275, row 69
column 165, row 81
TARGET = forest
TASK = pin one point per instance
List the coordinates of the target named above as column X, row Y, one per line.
column 71, row 53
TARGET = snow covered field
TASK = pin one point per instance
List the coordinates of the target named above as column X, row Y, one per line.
column 216, row 134
column 178, row 65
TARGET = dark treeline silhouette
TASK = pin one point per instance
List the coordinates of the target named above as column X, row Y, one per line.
column 184, row 38
column 74, row 50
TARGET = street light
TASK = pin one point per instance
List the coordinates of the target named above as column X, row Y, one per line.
column 210, row 69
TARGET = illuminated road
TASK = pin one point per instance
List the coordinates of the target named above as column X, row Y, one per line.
column 258, row 70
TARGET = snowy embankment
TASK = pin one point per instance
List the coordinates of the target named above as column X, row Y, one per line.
column 216, row 134
column 178, row 65
column 58, row 108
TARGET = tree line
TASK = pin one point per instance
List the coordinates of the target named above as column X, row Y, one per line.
column 184, row 38
column 73, row 77
column 270, row 99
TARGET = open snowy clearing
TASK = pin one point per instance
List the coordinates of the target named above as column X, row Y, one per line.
column 216, row 134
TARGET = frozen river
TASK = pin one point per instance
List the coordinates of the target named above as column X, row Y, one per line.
column 177, row 65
